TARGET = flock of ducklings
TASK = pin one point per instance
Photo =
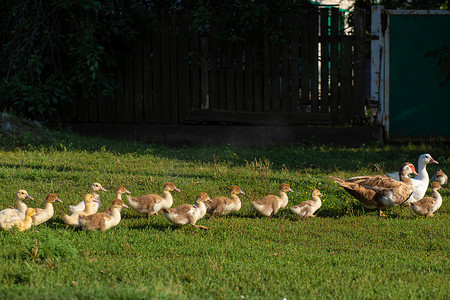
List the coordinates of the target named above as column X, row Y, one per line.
column 374, row 191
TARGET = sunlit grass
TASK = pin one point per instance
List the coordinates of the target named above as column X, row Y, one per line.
column 346, row 252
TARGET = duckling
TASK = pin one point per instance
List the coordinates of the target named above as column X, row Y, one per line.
column 43, row 215
column 11, row 214
column 103, row 221
column 270, row 204
column 222, row 206
column 95, row 188
column 428, row 205
column 73, row 219
column 23, row 224
column 307, row 208
column 188, row 214
column 380, row 192
column 440, row 177
column 151, row 204
column 119, row 191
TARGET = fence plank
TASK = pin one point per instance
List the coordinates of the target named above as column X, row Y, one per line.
column 128, row 104
column 195, row 69
column 295, row 63
column 359, row 60
column 305, row 56
column 334, row 73
column 239, row 75
column 285, row 81
column 120, row 94
column 165, row 66
column 147, row 76
column 173, row 69
column 138, row 110
column 266, row 74
column 258, row 70
column 213, row 64
column 346, row 78
column 275, row 76
column 156, row 78
column 314, row 27
column 248, row 73
column 324, row 61
column 183, row 71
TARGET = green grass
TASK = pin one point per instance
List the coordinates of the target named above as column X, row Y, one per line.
column 346, row 252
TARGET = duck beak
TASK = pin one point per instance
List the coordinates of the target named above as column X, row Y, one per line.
column 95, row 200
column 176, row 189
column 102, row 189
column 29, row 197
column 290, row 190
column 415, row 173
column 241, row 192
column 320, row 194
column 58, row 200
column 433, row 161
column 127, row 192
column 124, row 205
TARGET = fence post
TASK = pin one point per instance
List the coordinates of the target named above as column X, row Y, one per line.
column 359, row 59
column 204, row 79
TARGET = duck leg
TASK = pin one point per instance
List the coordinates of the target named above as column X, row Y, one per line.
column 381, row 214
column 200, row 226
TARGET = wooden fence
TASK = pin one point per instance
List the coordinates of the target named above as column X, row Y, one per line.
column 177, row 75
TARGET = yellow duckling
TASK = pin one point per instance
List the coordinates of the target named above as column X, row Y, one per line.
column 23, row 224
column 72, row 220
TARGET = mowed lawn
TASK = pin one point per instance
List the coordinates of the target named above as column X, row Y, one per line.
column 346, row 252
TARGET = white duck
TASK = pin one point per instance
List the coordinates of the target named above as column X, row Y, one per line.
column 103, row 220
column 95, row 188
column 73, row 219
column 150, row 204
column 188, row 214
column 270, row 204
column 420, row 182
column 220, row 206
column 22, row 224
column 11, row 214
column 308, row 208
column 43, row 215
column 428, row 205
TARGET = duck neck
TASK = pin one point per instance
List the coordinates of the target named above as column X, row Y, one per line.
column 317, row 200
column 48, row 207
column 235, row 198
column 202, row 208
column 284, row 198
column 21, row 206
column 96, row 195
column 115, row 213
column 422, row 170
column 88, row 208
column 28, row 220
column 167, row 196
column 437, row 196
column 119, row 195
